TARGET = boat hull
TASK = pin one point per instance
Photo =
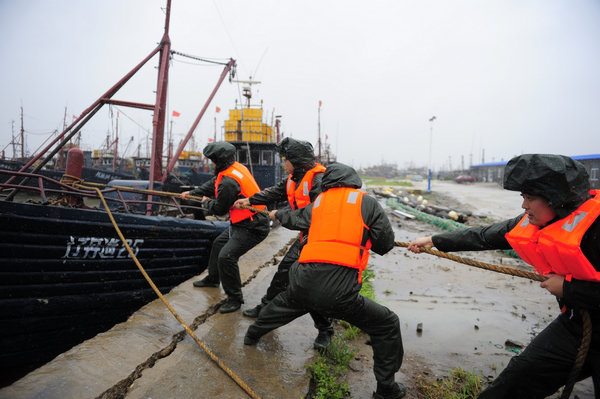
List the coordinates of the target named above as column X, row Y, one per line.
column 65, row 275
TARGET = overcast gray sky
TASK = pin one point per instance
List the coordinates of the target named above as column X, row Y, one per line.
column 502, row 77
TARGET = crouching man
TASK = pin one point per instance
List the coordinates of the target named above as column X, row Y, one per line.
column 343, row 225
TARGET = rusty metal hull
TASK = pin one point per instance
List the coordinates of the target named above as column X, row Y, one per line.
column 65, row 275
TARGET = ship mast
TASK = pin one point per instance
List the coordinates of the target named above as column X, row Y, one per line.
column 158, row 121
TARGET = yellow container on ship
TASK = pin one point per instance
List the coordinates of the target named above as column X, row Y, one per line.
column 246, row 124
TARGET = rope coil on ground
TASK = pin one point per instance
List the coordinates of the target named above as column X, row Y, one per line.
column 187, row 329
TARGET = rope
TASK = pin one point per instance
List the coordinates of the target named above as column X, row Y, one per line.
column 263, row 211
column 586, row 340
column 198, row 58
column 194, row 197
column 187, row 329
column 151, row 192
column 481, row 265
column 70, row 180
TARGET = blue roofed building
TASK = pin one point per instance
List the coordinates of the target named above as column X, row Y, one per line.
column 494, row 171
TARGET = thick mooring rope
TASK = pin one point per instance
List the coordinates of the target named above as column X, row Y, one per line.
column 187, row 329
column 481, row 265
column 263, row 211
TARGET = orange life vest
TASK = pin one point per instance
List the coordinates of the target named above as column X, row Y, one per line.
column 338, row 233
column 556, row 248
column 298, row 197
column 249, row 187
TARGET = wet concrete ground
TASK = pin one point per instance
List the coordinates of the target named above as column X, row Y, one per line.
column 467, row 314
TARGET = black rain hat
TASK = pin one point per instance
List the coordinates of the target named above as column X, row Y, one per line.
column 560, row 180
column 219, row 151
column 299, row 153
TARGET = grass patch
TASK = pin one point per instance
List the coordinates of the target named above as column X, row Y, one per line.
column 351, row 332
column 329, row 370
column 368, row 276
column 380, row 181
column 458, row 385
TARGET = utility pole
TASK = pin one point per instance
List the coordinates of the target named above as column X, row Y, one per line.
column 319, row 129
column 22, row 136
column 433, row 118
column 13, row 142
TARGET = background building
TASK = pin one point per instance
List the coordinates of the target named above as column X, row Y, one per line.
column 494, row 171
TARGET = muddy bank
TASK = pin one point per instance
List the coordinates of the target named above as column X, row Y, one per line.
column 467, row 314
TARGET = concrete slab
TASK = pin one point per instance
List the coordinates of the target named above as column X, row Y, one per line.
column 96, row 365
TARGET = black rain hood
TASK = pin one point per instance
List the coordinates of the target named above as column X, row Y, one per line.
column 340, row 175
column 300, row 153
column 560, row 180
column 221, row 153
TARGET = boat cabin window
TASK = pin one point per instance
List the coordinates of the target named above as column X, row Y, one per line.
column 255, row 157
column 242, row 156
column 267, row 158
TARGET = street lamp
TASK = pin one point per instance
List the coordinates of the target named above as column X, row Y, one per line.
column 430, row 143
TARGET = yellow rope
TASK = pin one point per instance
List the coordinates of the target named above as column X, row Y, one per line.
column 263, row 211
column 70, row 180
column 227, row 370
column 481, row 265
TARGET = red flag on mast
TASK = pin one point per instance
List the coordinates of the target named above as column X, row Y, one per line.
column 175, row 113
column 218, row 109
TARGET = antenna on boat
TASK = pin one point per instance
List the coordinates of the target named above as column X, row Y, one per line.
column 247, row 90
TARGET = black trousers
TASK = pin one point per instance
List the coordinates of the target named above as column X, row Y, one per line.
column 280, row 282
column 545, row 364
column 333, row 291
column 226, row 251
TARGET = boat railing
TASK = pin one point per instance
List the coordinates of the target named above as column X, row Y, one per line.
column 72, row 193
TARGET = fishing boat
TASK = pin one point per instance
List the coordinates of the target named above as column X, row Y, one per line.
column 66, row 274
